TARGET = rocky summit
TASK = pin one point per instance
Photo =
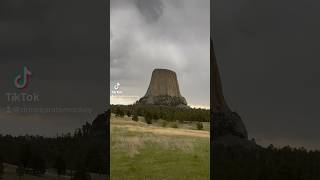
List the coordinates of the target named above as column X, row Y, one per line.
column 225, row 122
column 163, row 90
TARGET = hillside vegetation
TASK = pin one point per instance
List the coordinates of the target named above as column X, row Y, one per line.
column 163, row 112
column 76, row 155
column 240, row 163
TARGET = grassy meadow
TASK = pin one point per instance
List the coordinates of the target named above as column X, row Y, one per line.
column 157, row 151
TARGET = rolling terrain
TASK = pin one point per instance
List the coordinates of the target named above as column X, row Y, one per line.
column 149, row 151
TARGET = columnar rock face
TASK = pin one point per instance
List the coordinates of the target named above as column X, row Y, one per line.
column 225, row 121
column 218, row 100
column 163, row 90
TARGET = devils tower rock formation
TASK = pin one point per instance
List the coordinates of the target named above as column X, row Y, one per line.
column 163, row 90
column 225, row 122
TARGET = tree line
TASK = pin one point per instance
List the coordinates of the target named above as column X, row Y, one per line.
column 162, row 112
column 287, row 163
column 74, row 154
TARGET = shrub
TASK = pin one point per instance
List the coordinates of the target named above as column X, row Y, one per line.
column 155, row 116
column 128, row 113
column 81, row 174
column 38, row 164
column 174, row 125
column 1, row 169
column 164, row 123
column 20, row 171
column 139, row 112
column 199, row 126
column 148, row 118
column 119, row 112
column 135, row 117
column 60, row 166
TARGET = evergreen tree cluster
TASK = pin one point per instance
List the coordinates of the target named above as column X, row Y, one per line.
column 241, row 163
column 1, row 167
column 162, row 112
column 80, row 153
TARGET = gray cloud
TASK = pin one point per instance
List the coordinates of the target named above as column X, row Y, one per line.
column 51, row 29
column 64, row 43
column 161, row 34
column 150, row 9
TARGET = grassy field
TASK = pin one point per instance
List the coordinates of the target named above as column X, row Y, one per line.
column 150, row 152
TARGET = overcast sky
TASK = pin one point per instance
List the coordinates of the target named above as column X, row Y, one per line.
column 268, row 52
column 149, row 34
column 64, row 45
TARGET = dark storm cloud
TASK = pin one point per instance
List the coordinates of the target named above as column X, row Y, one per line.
column 65, row 45
column 51, row 29
column 57, row 37
column 150, row 9
column 161, row 34
column 268, row 56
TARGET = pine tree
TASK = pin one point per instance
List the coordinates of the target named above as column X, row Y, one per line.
column 60, row 165
column 135, row 117
column 1, row 168
column 148, row 118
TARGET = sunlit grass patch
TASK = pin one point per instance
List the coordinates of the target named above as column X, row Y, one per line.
column 148, row 155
